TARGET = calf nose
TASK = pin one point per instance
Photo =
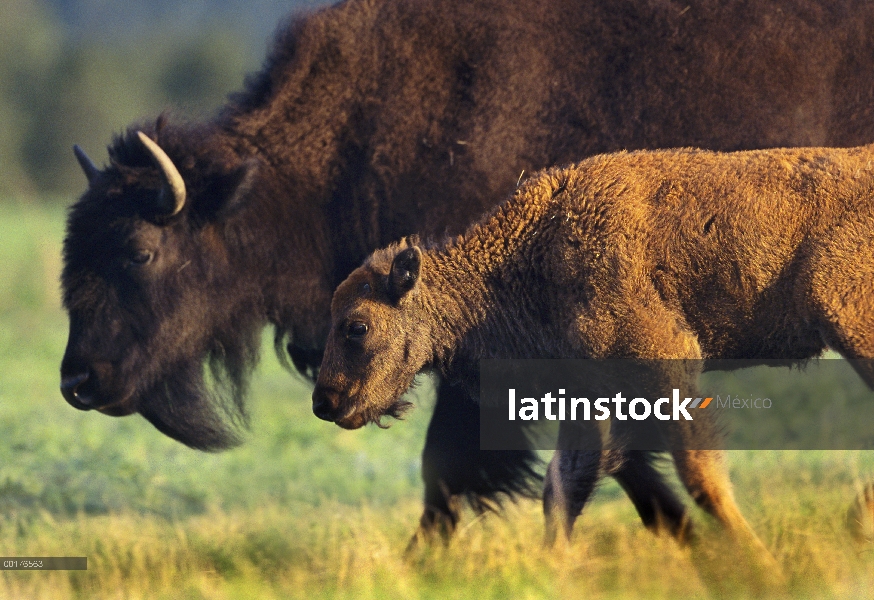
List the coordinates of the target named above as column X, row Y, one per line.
column 70, row 390
column 325, row 403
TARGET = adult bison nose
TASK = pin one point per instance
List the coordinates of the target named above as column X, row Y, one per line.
column 325, row 403
column 71, row 389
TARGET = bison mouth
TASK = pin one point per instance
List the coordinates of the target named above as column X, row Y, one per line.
column 119, row 409
column 200, row 407
column 354, row 421
column 349, row 411
column 360, row 418
column 85, row 389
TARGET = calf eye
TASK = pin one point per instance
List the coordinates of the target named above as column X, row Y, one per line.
column 356, row 330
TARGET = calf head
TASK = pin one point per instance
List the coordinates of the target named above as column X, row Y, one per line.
column 379, row 340
column 147, row 281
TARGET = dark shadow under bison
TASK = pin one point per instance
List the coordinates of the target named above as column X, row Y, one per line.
column 373, row 120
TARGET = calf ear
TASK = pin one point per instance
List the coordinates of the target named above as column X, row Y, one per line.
column 404, row 272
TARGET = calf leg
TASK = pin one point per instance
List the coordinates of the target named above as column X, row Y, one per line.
column 752, row 566
column 656, row 332
column 704, row 475
column 703, row 471
column 572, row 476
column 849, row 329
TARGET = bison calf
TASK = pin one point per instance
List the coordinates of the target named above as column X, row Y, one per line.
column 656, row 255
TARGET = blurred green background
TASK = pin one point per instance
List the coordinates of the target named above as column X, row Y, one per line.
column 78, row 71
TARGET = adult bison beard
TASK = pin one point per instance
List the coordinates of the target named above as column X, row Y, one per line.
column 204, row 412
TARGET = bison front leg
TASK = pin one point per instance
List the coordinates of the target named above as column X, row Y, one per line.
column 752, row 566
column 701, row 468
column 704, row 475
column 455, row 469
column 439, row 516
column 655, row 501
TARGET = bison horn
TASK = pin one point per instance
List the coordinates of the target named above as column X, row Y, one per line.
column 90, row 169
column 174, row 185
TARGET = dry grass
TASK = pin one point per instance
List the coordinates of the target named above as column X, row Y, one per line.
column 339, row 550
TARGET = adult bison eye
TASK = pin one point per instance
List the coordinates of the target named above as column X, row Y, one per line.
column 356, row 330
column 140, row 257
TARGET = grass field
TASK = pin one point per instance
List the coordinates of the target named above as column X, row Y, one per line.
column 304, row 509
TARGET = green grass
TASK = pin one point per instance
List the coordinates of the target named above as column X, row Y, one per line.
column 305, row 509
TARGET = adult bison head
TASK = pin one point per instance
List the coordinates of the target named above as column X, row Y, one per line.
column 150, row 282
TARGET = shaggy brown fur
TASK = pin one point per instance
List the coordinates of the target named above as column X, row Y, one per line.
column 655, row 255
column 377, row 119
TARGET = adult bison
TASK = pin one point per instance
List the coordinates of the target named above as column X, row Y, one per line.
column 375, row 119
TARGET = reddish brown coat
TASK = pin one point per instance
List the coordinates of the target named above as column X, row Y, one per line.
column 655, row 255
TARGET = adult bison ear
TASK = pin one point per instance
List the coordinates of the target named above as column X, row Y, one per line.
column 404, row 272
column 227, row 193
